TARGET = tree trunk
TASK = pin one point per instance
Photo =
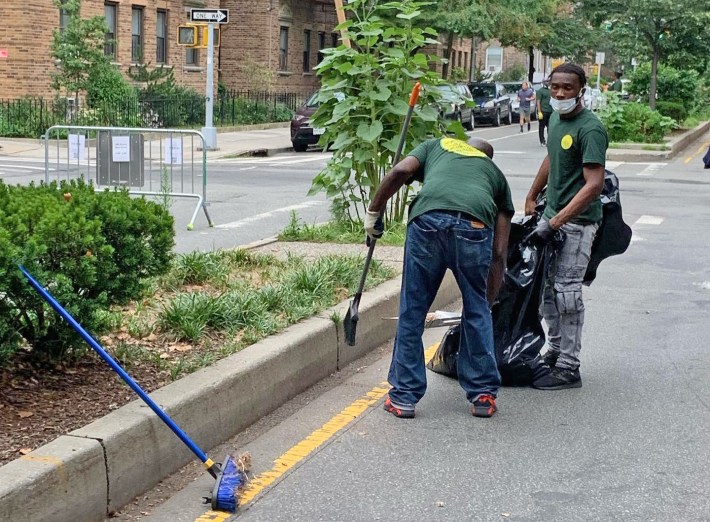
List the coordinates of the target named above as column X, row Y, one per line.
column 531, row 67
column 446, row 69
column 654, row 77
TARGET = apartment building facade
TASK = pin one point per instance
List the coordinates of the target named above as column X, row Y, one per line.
column 267, row 44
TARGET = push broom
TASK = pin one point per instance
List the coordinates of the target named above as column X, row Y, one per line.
column 229, row 477
column 352, row 317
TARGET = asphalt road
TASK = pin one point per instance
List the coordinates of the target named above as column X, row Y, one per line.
column 632, row 444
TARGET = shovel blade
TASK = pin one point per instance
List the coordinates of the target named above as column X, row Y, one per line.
column 350, row 322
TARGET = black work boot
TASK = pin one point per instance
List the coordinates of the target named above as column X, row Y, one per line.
column 559, row 379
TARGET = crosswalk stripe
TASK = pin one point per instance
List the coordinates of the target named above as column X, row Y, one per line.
column 266, row 215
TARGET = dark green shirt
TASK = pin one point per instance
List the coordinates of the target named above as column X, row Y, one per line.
column 460, row 177
column 543, row 95
column 617, row 86
column 571, row 143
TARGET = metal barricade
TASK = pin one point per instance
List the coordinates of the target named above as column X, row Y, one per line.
column 149, row 162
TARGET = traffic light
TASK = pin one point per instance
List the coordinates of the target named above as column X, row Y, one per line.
column 187, row 35
column 195, row 35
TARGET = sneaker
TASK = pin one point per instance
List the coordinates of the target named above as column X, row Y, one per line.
column 484, row 405
column 543, row 143
column 559, row 379
column 403, row 411
column 550, row 358
column 528, row 127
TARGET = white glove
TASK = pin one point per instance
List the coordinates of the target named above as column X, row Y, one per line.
column 373, row 224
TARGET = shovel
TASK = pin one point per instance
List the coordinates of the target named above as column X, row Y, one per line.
column 351, row 318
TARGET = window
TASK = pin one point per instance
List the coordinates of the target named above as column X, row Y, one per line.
column 283, row 49
column 334, row 39
column 461, row 64
column 110, row 36
column 466, row 65
column 192, row 57
column 136, row 34
column 307, row 51
column 63, row 17
column 494, row 59
column 321, row 45
column 161, row 33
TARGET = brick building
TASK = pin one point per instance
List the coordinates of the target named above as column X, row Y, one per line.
column 143, row 31
column 267, row 45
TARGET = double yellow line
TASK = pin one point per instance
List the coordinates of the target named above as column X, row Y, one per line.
column 310, row 444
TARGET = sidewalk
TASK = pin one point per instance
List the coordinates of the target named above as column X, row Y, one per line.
column 257, row 140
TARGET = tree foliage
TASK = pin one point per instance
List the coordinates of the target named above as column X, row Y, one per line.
column 363, row 102
column 653, row 29
column 78, row 49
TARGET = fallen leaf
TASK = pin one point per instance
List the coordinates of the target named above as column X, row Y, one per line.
column 439, row 503
column 25, row 414
column 506, row 515
column 25, row 451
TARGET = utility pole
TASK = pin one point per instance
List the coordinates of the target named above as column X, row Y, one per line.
column 209, row 131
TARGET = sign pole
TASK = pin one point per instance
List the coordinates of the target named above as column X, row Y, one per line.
column 208, row 131
column 340, row 11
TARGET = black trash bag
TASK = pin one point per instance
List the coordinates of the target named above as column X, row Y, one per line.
column 517, row 331
column 706, row 159
column 613, row 236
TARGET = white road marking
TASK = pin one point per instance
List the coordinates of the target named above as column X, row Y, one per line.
column 649, row 220
column 651, row 169
column 705, row 285
column 22, row 167
column 611, row 165
column 509, row 152
column 266, row 215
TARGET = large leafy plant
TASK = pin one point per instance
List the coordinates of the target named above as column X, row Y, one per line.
column 363, row 102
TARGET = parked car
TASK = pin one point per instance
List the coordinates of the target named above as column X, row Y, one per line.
column 512, row 89
column 593, row 98
column 302, row 133
column 492, row 103
column 456, row 103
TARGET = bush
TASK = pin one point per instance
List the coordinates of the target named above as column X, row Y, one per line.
column 634, row 122
column 672, row 84
column 673, row 109
column 106, row 84
column 89, row 249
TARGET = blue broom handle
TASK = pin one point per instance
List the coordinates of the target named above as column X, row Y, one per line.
column 117, row 368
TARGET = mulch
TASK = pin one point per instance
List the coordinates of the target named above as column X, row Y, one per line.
column 40, row 403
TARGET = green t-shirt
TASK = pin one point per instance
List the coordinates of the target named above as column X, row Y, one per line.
column 571, row 143
column 543, row 95
column 460, row 177
column 617, row 86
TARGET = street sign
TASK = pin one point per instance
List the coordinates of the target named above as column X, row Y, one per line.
column 217, row 16
column 600, row 58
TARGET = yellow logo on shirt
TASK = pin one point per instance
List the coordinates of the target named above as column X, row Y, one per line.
column 566, row 142
column 461, row 147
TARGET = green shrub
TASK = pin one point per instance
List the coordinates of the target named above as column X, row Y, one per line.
column 89, row 249
column 672, row 84
column 106, row 84
column 673, row 109
column 634, row 122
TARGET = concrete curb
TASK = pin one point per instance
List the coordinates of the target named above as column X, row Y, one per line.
column 99, row 468
column 635, row 151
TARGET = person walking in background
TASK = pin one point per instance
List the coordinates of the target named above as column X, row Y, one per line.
column 573, row 172
column 544, row 110
column 617, row 86
column 525, row 97
column 459, row 220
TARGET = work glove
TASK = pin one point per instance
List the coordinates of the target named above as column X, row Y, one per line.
column 542, row 234
column 374, row 227
column 539, row 115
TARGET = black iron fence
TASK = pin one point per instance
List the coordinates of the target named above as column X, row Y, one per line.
column 30, row 117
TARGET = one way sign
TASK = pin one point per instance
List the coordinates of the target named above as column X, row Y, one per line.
column 219, row 16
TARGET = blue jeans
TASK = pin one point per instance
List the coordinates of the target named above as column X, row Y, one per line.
column 437, row 241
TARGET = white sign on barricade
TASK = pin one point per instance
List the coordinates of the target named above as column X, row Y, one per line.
column 173, row 151
column 121, row 149
column 77, row 144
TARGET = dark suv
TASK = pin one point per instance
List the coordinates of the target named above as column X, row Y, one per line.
column 302, row 132
column 492, row 103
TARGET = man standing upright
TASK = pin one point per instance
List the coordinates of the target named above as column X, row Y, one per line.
column 544, row 110
column 617, row 86
column 460, row 220
column 573, row 172
column 525, row 97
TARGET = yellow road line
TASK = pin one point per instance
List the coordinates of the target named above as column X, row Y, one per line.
column 701, row 149
column 311, row 443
